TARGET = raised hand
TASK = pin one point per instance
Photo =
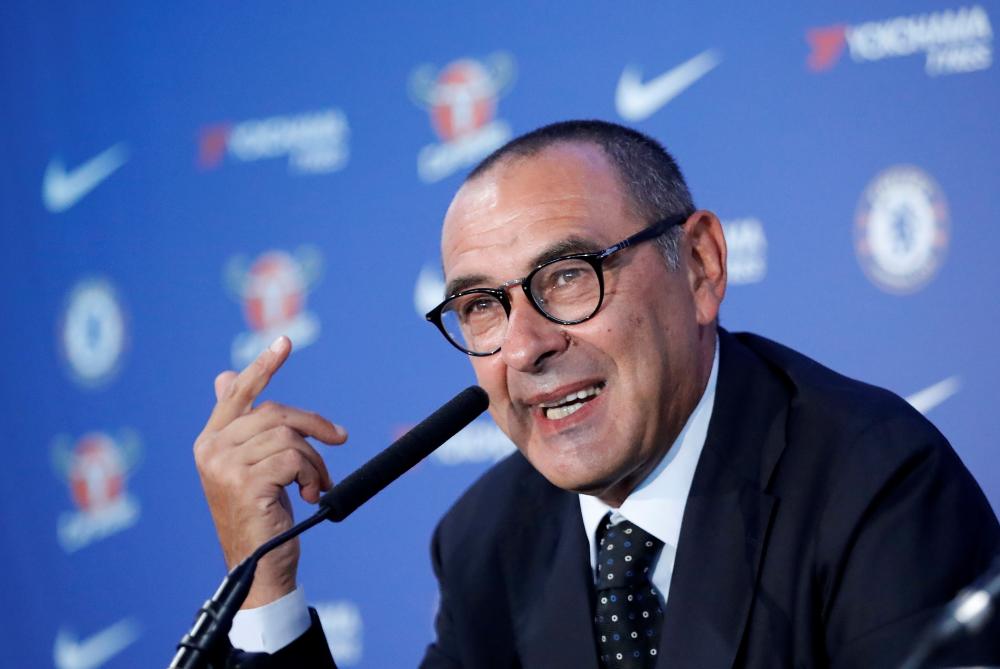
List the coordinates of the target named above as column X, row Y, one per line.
column 246, row 456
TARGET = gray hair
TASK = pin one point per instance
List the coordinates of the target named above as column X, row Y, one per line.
column 648, row 173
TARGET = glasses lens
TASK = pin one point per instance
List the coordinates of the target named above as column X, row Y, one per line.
column 476, row 322
column 568, row 289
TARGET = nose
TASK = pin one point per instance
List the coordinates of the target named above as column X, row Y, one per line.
column 531, row 338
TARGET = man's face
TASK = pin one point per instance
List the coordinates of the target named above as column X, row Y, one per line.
column 637, row 368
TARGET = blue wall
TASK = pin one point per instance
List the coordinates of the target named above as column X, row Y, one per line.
column 181, row 181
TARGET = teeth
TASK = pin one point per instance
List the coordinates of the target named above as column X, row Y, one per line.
column 562, row 412
column 569, row 404
column 579, row 395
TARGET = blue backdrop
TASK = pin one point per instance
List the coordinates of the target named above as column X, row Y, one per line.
column 183, row 180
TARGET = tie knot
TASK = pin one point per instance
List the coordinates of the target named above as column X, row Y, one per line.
column 625, row 555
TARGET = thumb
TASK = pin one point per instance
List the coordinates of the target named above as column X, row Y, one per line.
column 223, row 384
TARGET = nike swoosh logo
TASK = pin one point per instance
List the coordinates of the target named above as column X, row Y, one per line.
column 637, row 101
column 429, row 290
column 931, row 396
column 69, row 653
column 61, row 189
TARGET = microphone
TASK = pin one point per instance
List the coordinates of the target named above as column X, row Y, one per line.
column 203, row 646
column 405, row 452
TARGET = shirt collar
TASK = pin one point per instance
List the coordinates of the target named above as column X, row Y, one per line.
column 657, row 504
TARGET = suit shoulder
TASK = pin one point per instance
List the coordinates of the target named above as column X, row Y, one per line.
column 855, row 448
column 836, row 404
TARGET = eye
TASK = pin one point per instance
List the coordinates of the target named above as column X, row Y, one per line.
column 479, row 306
column 566, row 276
column 561, row 277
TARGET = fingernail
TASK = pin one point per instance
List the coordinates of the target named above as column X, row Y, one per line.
column 278, row 345
column 342, row 432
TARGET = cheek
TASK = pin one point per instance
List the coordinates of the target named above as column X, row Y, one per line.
column 492, row 377
column 645, row 342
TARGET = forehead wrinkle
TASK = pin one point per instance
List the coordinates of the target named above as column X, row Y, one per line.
column 492, row 218
column 569, row 246
column 473, row 277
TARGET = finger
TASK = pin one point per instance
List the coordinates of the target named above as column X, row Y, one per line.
column 284, row 438
column 222, row 383
column 248, row 385
column 288, row 465
column 272, row 414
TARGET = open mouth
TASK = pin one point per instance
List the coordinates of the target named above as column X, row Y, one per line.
column 571, row 403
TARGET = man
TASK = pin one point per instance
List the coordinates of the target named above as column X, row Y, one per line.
column 757, row 509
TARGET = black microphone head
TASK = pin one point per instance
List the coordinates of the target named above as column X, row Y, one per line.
column 481, row 396
column 405, row 452
column 473, row 398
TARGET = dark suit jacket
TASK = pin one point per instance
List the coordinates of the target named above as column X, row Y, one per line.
column 827, row 523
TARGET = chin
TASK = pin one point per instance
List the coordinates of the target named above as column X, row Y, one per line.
column 570, row 470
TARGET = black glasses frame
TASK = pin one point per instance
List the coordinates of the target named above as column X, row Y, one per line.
column 594, row 258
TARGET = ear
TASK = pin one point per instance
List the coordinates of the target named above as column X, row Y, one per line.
column 706, row 266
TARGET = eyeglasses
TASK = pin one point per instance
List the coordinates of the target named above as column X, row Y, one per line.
column 566, row 290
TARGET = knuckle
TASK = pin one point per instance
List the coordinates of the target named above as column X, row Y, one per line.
column 225, row 377
column 318, row 422
column 273, row 410
column 256, row 365
column 258, row 368
column 287, row 460
column 241, row 391
column 327, row 425
column 213, row 471
column 263, row 505
column 203, row 446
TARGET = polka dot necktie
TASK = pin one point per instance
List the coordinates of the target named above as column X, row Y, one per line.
column 629, row 608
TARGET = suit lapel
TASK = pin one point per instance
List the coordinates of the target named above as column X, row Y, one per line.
column 727, row 516
column 550, row 579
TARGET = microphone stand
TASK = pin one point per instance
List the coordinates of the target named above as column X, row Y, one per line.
column 203, row 646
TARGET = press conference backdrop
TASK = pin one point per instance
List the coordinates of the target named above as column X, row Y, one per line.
column 183, row 181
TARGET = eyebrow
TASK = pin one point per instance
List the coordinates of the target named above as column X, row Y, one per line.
column 563, row 247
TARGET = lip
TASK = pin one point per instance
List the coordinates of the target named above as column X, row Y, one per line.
column 535, row 401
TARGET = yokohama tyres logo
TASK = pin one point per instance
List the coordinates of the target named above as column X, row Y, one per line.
column 953, row 41
column 312, row 142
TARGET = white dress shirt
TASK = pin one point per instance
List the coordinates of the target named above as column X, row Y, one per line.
column 656, row 505
column 272, row 626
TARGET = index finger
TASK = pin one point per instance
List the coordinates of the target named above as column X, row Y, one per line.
column 249, row 384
